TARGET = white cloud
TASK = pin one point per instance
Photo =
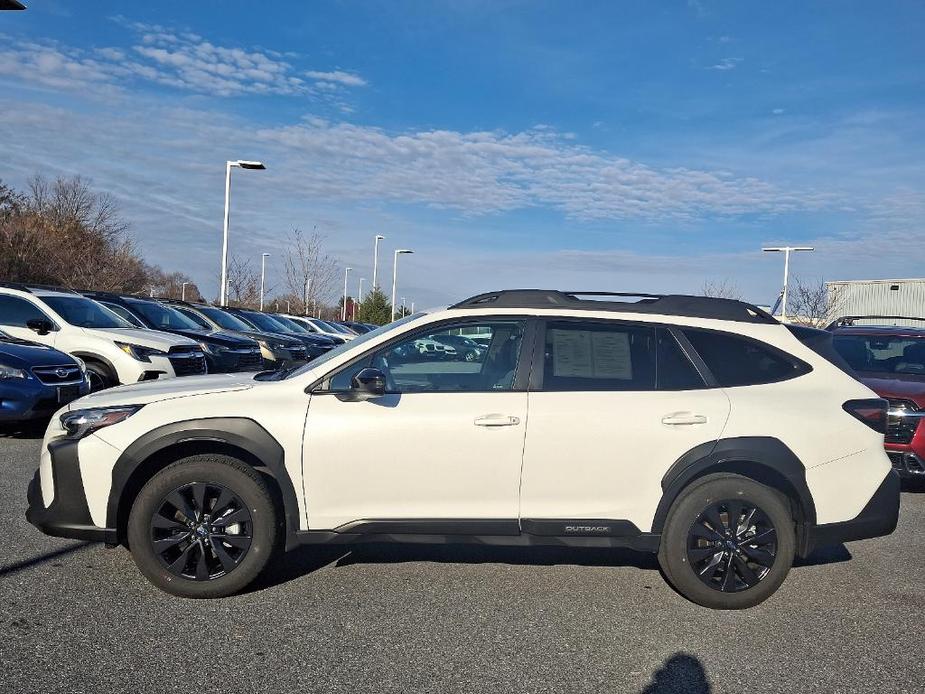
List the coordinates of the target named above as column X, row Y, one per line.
column 726, row 64
column 181, row 60
column 347, row 79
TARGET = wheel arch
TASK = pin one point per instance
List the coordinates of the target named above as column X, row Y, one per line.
column 766, row 460
column 238, row 437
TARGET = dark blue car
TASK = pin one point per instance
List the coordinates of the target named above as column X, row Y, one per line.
column 36, row 380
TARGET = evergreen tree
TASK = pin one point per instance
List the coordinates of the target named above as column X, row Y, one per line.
column 375, row 308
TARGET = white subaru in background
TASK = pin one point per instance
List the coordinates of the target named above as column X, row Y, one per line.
column 700, row 429
column 114, row 350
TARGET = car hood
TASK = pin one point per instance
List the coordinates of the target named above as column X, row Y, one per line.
column 21, row 353
column 168, row 389
column 217, row 337
column 899, row 386
column 146, row 338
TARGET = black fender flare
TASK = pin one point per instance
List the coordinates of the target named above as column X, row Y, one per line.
column 238, row 432
column 766, row 458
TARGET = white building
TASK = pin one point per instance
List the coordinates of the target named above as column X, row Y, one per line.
column 903, row 298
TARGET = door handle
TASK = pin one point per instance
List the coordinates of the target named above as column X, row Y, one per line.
column 683, row 419
column 496, row 420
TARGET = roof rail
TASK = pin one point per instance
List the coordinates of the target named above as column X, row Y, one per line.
column 846, row 321
column 665, row 304
column 29, row 286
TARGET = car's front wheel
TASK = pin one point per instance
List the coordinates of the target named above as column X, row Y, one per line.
column 203, row 527
column 728, row 542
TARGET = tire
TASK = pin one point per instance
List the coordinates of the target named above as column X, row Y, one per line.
column 203, row 527
column 101, row 377
column 726, row 570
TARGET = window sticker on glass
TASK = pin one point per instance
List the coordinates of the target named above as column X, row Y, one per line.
column 591, row 354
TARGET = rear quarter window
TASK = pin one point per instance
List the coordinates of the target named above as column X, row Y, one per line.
column 739, row 361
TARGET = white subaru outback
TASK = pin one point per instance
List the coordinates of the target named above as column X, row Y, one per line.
column 700, row 429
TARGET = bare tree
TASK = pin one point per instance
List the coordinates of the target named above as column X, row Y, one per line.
column 810, row 303
column 722, row 289
column 243, row 283
column 310, row 273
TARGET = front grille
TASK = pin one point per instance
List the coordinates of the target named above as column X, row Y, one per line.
column 186, row 362
column 250, row 361
column 298, row 353
column 53, row 375
column 902, row 421
column 896, row 459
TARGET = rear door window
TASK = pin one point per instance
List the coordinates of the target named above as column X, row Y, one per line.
column 598, row 355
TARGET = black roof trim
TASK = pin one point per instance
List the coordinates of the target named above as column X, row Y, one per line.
column 665, row 304
column 29, row 286
column 847, row 321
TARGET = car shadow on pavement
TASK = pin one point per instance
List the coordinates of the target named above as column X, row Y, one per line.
column 23, row 430
column 833, row 554
column 682, row 673
column 307, row 559
column 41, row 559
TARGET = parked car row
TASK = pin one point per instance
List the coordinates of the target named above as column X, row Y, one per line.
column 57, row 344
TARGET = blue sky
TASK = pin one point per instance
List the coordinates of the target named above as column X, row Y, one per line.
column 578, row 145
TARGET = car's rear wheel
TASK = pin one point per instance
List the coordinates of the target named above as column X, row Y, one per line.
column 203, row 527
column 728, row 542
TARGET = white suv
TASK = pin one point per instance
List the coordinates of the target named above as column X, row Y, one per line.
column 114, row 350
column 700, row 429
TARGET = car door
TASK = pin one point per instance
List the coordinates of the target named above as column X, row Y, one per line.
column 439, row 452
column 612, row 406
column 16, row 312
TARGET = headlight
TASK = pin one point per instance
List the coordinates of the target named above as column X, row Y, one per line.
column 209, row 348
column 272, row 346
column 80, row 423
column 140, row 352
column 9, row 372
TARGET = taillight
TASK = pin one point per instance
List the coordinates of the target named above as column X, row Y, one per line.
column 870, row 411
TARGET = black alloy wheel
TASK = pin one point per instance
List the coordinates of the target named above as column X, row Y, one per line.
column 732, row 545
column 201, row 531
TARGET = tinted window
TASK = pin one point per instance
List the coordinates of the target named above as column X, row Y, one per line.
column 196, row 318
column 124, row 313
column 425, row 363
column 85, row 313
column 163, row 317
column 882, row 353
column 264, row 322
column 736, row 361
column 225, row 320
column 17, row 312
column 588, row 355
column 674, row 371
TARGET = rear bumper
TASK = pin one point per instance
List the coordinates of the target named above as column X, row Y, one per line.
column 68, row 515
column 877, row 518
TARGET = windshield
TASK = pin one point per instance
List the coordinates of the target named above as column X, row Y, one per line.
column 342, row 329
column 196, row 318
column 163, row 317
column 883, row 354
column 85, row 313
column 292, row 326
column 225, row 320
column 340, row 349
column 264, row 322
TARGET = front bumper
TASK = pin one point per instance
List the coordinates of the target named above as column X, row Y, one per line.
column 877, row 518
column 35, row 400
column 68, row 515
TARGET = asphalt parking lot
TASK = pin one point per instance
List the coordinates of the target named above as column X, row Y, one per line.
column 79, row 618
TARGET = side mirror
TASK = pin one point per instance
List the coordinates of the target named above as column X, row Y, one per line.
column 42, row 326
column 366, row 384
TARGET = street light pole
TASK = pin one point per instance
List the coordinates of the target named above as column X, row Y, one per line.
column 241, row 164
column 308, row 283
column 399, row 252
column 360, row 291
column 183, row 291
column 343, row 312
column 786, row 250
column 263, row 274
column 376, row 259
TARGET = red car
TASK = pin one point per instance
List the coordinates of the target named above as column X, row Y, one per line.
column 890, row 360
